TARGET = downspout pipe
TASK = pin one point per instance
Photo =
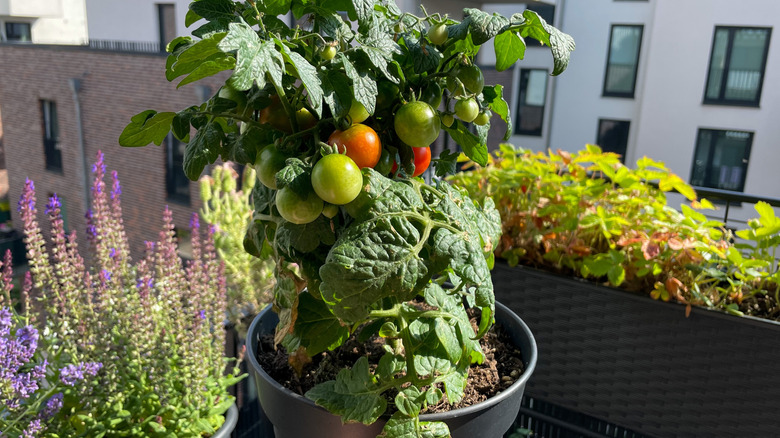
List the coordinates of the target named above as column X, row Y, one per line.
column 75, row 87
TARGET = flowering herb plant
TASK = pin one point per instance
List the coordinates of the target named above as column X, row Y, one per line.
column 228, row 207
column 31, row 387
column 155, row 327
column 361, row 244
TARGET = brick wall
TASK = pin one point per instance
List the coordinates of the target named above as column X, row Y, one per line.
column 114, row 87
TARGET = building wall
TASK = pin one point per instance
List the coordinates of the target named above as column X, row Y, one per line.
column 115, row 86
column 135, row 20
column 52, row 22
column 676, row 75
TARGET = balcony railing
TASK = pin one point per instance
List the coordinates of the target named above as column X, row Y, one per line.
column 126, row 46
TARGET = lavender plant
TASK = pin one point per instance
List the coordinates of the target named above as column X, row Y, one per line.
column 31, row 387
column 229, row 209
column 155, row 326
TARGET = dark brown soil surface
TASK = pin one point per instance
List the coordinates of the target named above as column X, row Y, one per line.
column 503, row 365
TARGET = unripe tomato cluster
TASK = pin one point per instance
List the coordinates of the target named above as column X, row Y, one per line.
column 407, row 115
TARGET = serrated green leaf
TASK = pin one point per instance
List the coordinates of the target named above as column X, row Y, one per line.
column 353, row 395
column 180, row 125
column 363, row 86
column 408, row 401
column 210, row 66
column 297, row 175
column 363, row 9
column 446, row 163
column 484, row 26
column 448, row 339
column 146, row 127
column 256, row 59
column 616, row 275
column 203, row 150
column 494, row 98
column 455, row 385
column 561, row 44
column 274, row 7
column 509, row 48
column 469, row 142
column 308, row 76
column 193, row 55
column 390, row 365
column 213, row 9
column 305, row 237
column 317, row 328
column 425, row 58
column 191, row 17
column 337, row 91
column 331, row 24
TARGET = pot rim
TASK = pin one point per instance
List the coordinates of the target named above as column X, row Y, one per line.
column 501, row 309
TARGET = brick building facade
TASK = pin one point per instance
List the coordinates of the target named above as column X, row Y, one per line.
column 110, row 88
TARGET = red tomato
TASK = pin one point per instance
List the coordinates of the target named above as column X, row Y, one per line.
column 361, row 143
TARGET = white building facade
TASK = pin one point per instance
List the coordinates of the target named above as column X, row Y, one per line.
column 43, row 21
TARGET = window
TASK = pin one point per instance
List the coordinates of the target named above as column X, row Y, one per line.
column 613, row 136
column 176, row 182
column 546, row 11
column 530, row 102
column 19, row 32
column 51, row 136
column 166, row 20
column 622, row 60
column 721, row 159
column 737, row 65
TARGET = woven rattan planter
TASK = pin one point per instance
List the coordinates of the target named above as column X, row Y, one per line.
column 641, row 364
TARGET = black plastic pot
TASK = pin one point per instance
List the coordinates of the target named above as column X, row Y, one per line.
column 231, row 418
column 294, row 416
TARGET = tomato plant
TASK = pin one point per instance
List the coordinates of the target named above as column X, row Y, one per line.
column 360, row 142
column 467, row 109
column 296, row 208
column 417, row 124
column 336, row 179
column 269, row 161
column 422, row 159
column 365, row 71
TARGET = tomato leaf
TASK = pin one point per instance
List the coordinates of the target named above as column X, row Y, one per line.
column 446, row 164
column 494, row 98
column 509, row 48
column 353, row 395
column 561, row 44
column 425, row 58
column 203, row 150
column 146, row 127
column 364, row 87
column 213, row 9
column 472, row 147
column 308, row 76
column 306, row 237
column 338, row 92
column 256, row 60
column 274, row 7
column 316, row 329
column 483, row 26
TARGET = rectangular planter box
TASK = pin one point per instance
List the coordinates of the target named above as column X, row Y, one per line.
column 641, row 364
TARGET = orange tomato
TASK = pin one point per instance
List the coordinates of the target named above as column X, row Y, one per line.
column 361, row 144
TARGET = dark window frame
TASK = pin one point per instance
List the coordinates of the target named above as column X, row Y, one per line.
column 599, row 140
column 9, row 24
column 708, row 166
column 629, row 95
column 52, row 152
column 172, row 167
column 730, row 44
column 521, row 98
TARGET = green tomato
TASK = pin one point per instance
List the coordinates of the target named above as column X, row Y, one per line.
column 298, row 209
column 472, row 78
column 431, row 94
column 467, row 109
column 239, row 97
column 329, row 52
column 336, row 179
column 447, row 120
column 357, row 112
column 438, row 34
column 417, row 124
column 268, row 163
column 483, row 118
column 386, row 95
column 330, row 211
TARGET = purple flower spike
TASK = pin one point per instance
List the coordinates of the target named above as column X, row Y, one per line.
column 106, row 275
column 116, row 189
column 53, row 205
column 74, row 373
column 194, row 221
column 52, row 406
column 202, row 314
column 112, row 253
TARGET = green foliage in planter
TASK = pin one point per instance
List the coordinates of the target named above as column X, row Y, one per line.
column 587, row 214
column 374, row 264
column 228, row 208
column 155, row 326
